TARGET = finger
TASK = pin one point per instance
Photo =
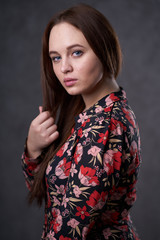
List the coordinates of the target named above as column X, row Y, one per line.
column 54, row 136
column 40, row 109
column 52, row 129
column 42, row 117
column 47, row 123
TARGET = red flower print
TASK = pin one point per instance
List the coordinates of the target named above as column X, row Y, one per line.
column 60, row 152
column 103, row 137
column 80, row 132
column 82, row 212
column 87, row 176
column 97, row 200
column 112, row 160
column 84, row 124
column 109, row 217
column 129, row 117
column 117, row 162
column 110, row 99
column 107, row 109
column 64, row 238
column 63, row 169
column 78, row 153
column 116, row 126
column 57, row 220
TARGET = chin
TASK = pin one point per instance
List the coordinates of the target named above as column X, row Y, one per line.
column 73, row 92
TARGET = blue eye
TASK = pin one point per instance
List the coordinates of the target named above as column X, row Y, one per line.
column 77, row 53
column 56, row 58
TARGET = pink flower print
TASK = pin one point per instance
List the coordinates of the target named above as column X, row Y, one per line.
column 84, row 232
column 66, row 212
column 82, row 117
column 94, row 151
column 65, row 201
column 107, row 232
column 50, row 236
column 57, row 220
column 65, row 146
column 118, row 193
column 88, row 140
column 77, row 191
column 108, row 161
column 61, row 189
column 87, row 176
column 108, row 101
column 73, row 223
column 56, row 201
column 69, row 151
column 132, row 130
column 98, row 109
column 86, row 131
column 49, row 168
column 124, row 214
column 73, row 169
column 133, row 147
column 101, row 119
column 62, row 149
column 78, row 153
column 112, row 160
column 63, row 169
column 53, row 179
column 131, row 198
column 118, row 130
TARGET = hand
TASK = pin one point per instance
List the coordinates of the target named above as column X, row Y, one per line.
column 42, row 133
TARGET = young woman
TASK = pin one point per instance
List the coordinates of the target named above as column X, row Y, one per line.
column 82, row 153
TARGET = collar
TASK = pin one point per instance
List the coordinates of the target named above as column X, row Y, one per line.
column 100, row 106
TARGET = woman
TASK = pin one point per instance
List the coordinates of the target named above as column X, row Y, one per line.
column 85, row 166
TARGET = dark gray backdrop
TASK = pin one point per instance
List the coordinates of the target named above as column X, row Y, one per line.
column 21, row 26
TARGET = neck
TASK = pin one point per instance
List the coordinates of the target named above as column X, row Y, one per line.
column 103, row 88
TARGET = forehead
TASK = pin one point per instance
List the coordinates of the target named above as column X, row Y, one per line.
column 63, row 35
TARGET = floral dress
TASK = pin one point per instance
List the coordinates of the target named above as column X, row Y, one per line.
column 90, row 182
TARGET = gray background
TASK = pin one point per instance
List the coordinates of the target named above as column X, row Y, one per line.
column 21, row 26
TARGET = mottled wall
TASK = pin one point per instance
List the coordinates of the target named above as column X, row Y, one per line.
column 21, row 26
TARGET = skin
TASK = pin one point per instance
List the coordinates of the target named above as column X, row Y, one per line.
column 42, row 133
column 79, row 71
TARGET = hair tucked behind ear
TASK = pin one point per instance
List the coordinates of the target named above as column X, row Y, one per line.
column 62, row 106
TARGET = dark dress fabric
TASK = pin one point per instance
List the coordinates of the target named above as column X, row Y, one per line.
column 90, row 182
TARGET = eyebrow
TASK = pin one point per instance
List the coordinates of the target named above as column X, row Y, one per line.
column 68, row 48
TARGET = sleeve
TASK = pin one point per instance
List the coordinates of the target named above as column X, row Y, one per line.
column 30, row 167
column 94, row 172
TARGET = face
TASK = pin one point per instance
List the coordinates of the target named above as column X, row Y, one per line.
column 74, row 62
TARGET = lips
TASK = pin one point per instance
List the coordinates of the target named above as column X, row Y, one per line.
column 69, row 82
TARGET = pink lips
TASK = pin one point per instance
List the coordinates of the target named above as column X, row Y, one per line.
column 69, row 82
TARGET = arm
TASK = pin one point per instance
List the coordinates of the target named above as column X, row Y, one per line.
column 42, row 133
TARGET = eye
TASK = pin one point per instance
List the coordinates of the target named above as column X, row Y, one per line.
column 55, row 58
column 77, row 53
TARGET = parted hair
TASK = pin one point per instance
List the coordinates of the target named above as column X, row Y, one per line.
column 63, row 107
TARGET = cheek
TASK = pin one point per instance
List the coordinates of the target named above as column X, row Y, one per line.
column 57, row 72
column 91, row 68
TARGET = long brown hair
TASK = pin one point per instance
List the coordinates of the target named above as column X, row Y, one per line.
column 62, row 106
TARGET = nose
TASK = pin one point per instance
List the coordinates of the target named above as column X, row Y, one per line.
column 66, row 65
